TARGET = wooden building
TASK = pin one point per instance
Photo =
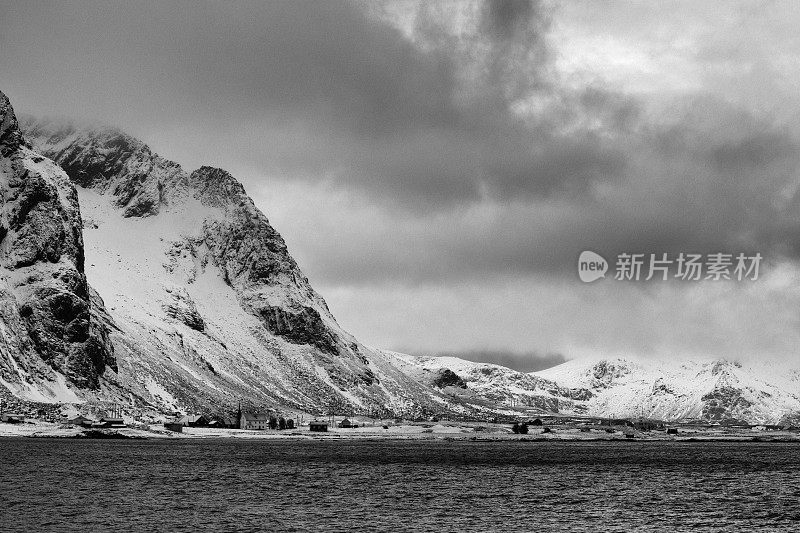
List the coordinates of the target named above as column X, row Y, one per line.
column 318, row 425
column 110, row 422
column 250, row 420
column 174, row 426
column 80, row 420
column 189, row 420
column 12, row 418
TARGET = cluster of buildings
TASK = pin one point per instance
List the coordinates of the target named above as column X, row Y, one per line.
column 244, row 419
column 113, row 420
column 250, row 420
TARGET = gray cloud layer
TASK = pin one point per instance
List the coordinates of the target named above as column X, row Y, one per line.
column 433, row 152
column 441, row 124
column 322, row 88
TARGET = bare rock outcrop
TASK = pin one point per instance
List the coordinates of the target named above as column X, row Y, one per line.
column 44, row 288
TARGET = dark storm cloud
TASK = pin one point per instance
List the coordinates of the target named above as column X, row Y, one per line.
column 709, row 178
column 310, row 89
column 502, row 19
column 471, row 156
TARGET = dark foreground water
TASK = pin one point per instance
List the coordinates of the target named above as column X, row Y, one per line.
column 227, row 485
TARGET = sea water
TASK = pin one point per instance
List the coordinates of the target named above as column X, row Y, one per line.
column 395, row 485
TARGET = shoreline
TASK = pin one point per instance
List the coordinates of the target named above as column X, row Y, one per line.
column 440, row 432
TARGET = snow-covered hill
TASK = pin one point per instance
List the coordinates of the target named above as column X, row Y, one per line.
column 709, row 390
column 126, row 278
column 204, row 304
column 49, row 340
column 492, row 385
column 713, row 390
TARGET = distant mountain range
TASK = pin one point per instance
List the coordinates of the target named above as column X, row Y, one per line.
column 127, row 279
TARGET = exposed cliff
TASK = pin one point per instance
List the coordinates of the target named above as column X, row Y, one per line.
column 46, row 310
column 209, row 305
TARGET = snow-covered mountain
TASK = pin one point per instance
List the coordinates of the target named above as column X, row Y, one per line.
column 710, row 390
column 50, row 340
column 197, row 295
column 126, row 278
column 492, row 385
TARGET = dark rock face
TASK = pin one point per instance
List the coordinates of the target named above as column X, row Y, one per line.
column 42, row 245
column 604, row 373
column 576, row 394
column 216, row 187
column 447, row 378
column 251, row 255
column 183, row 309
column 719, row 403
column 10, row 136
column 112, row 162
column 228, row 234
column 247, row 249
column 302, row 327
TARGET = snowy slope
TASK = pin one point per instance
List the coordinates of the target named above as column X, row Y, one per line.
column 204, row 303
column 492, row 385
column 49, row 341
column 707, row 390
column 713, row 390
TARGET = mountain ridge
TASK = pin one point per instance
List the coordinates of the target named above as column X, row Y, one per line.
column 208, row 305
column 195, row 303
column 48, row 332
column 703, row 390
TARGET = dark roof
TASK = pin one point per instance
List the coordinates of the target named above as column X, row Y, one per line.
column 317, row 423
column 255, row 417
column 186, row 419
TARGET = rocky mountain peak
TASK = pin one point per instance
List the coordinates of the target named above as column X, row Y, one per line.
column 606, row 371
column 10, row 136
column 225, row 238
column 44, row 296
column 109, row 161
column 216, row 187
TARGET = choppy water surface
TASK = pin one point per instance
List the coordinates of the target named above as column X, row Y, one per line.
column 228, row 485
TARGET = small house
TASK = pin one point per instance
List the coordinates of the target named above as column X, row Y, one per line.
column 672, row 431
column 200, row 421
column 110, row 422
column 345, row 423
column 80, row 420
column 228, row 422
column 644, row 425
column 318, row 425
column 12, row 418
column 254, row 421
column 188, row 420
column 174, row 426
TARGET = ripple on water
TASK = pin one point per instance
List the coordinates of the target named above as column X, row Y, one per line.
column 226, row 484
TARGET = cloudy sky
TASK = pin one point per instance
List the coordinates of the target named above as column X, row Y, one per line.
column 437, row 168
